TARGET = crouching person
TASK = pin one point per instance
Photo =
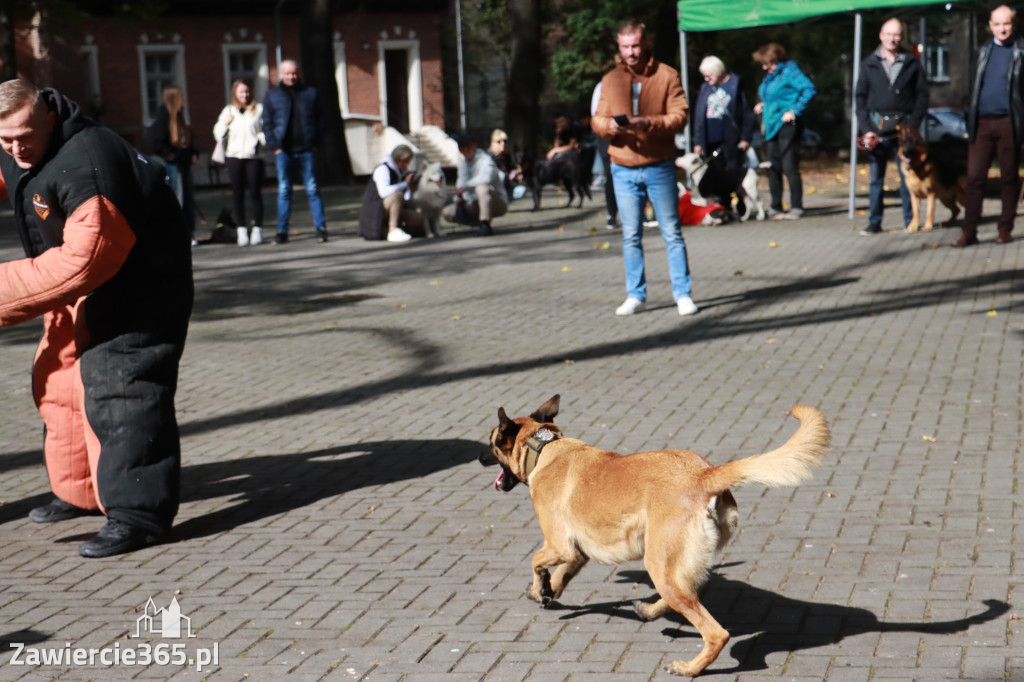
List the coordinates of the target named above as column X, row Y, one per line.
column 385, row 201
column 479, row 189
column 108, row 267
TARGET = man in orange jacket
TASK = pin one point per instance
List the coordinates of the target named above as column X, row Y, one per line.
column 108, row 267
column 641, row 108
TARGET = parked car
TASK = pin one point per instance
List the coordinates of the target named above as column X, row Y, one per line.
column 943, row 121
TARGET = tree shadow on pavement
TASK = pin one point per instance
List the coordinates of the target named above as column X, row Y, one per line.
column 770, row 622
column 267, row 485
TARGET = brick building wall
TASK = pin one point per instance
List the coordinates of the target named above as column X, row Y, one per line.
column 58, row 61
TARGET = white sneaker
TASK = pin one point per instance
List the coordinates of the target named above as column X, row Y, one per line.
column 398, row 235
column 686, row 306
column 629, row 306
column 256, row 236
column 243, row 236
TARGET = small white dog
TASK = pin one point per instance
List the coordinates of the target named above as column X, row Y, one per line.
column 711, row 182
column 429, row 197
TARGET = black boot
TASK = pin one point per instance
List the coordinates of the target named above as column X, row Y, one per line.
column 485, row 229
column 116, row 537
column 58, row 510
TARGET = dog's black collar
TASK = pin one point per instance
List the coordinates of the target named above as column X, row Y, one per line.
column 534, row 445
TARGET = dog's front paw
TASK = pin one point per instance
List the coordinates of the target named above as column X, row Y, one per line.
column 926, row 228
column 912, row 227
column 541, row 593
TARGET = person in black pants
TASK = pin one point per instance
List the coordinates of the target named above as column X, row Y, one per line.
column 785, row 92
column 240, row 129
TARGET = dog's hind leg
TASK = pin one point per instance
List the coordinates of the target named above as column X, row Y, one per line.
column 651, row 611
column 677, row 563
column 954, row 210
column 714, row 635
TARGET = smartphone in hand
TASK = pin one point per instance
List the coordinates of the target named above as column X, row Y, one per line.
column 621, row 119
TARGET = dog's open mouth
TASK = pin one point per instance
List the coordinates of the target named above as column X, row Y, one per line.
column 505, row 481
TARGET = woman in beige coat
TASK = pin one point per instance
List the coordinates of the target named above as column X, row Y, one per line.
column 241, row 123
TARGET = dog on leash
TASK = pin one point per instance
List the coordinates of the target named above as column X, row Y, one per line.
column 567, row 169
column 713, row 181
column 671, row 508
column 933, row 171
column 429, row 197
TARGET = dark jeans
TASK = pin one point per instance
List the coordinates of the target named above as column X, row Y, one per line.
column 783, row 151
column 609, row 184
column 994, row 139
column 878, row 158
column 247, row 176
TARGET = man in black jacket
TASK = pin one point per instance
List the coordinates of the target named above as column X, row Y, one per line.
column 995, row 125
column 892, row 90
column 108, row 267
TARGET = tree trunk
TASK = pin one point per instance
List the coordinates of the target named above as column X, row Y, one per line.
column 318, row 71
column 522, row 104
column 8, row 51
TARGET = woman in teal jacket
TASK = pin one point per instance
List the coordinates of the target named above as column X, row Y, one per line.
column 785, row 92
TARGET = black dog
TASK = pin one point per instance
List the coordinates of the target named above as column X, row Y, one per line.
column 568, row 168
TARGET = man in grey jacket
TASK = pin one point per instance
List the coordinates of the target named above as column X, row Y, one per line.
column 479, row 189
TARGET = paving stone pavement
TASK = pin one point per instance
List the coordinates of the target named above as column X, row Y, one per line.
column 335, row 524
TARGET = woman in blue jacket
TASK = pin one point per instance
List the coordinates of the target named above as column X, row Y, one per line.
column 785, row 92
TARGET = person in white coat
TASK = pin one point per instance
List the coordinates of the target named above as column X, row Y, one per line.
column 240, row 125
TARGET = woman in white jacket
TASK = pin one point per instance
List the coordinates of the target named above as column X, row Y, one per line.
column 241, row 123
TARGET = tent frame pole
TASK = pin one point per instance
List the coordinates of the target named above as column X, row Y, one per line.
column 684, row 74
column 858, row 29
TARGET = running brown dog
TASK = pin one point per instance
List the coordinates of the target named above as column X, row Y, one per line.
column 930, row 171
column 671, row 508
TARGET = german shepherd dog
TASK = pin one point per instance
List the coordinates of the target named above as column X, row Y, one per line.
column 930, row 171
column 671, row 508
column 568, row 169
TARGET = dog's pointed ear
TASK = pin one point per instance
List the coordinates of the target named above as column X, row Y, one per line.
column 503, row 420
column 548, row 411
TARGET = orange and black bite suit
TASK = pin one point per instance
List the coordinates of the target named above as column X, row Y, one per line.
column 109, row 269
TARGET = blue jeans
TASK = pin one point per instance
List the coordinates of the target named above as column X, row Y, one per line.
column 632, row 188
column 180, row 180
column 307, row 164
column 877, row 158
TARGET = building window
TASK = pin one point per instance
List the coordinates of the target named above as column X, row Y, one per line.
column 160, row 66
column 938, row 63
column 92, row 100
column 247, row 61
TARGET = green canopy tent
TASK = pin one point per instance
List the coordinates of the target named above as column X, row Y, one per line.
column 716, row 15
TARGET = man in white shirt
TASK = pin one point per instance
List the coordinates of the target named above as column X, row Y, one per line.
column 479, row 189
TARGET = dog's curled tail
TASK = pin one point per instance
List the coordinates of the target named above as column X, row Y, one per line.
column 788, row 465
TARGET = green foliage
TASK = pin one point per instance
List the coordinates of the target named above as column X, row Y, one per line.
column 584, row 47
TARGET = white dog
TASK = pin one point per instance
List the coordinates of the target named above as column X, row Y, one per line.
column 429, row 197
column 711, row 182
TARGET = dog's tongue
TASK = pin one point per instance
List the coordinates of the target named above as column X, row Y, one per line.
column 499, row 480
